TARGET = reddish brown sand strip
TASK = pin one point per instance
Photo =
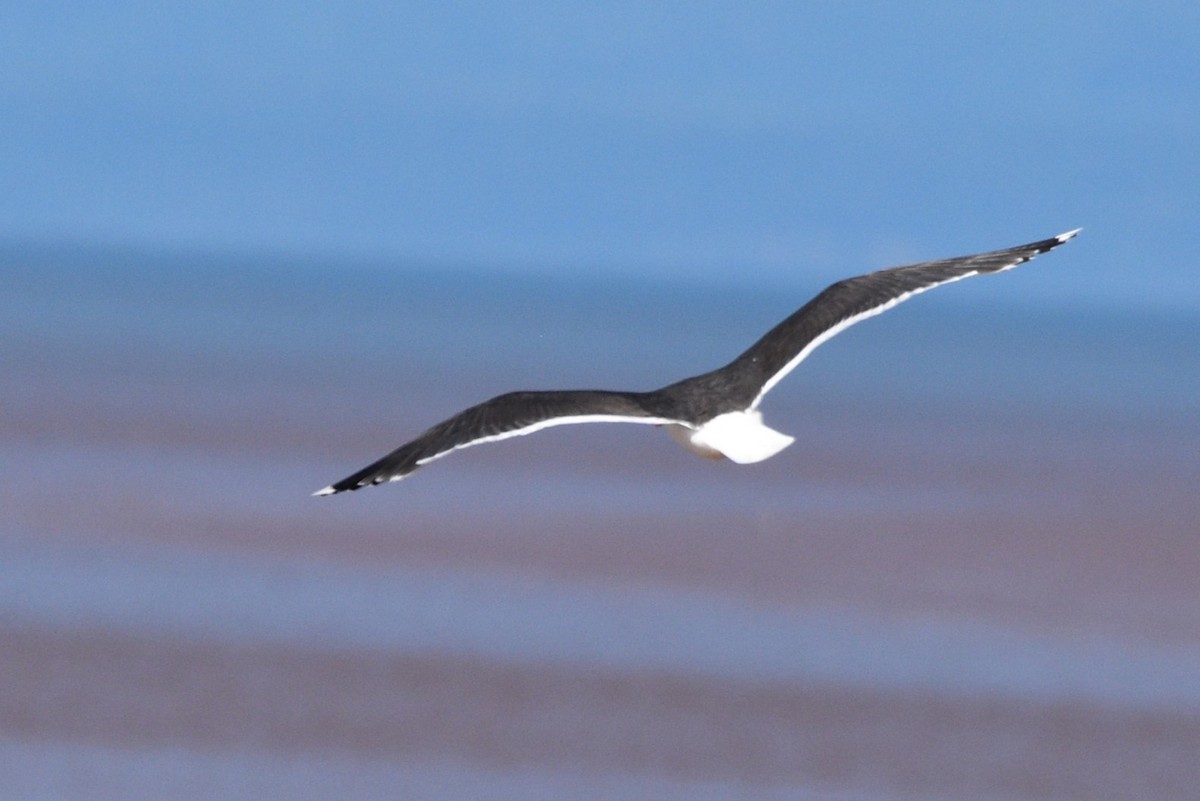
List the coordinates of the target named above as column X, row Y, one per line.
column 115, row 689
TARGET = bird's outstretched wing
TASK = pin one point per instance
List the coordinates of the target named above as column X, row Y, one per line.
column 510, row 415
column 846, row 302
column 697, row 401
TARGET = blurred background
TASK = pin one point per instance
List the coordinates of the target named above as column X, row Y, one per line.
column 246, row 248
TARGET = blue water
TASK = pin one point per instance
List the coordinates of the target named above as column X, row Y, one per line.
column 327, row 320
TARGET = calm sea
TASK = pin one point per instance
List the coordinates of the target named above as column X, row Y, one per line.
column 972, row 577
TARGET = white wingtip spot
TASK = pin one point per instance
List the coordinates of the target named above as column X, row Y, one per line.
column 327, row 491
column 1068, row 235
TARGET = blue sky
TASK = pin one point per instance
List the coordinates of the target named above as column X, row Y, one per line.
column 777, row 143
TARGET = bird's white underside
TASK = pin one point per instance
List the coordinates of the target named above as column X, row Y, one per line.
column 740, row 437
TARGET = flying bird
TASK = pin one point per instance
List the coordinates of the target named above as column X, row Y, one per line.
column 714, row 414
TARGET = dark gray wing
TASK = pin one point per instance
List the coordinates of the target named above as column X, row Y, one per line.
column 510, row 415
column 845, row 303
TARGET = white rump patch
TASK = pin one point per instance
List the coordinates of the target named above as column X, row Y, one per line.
column 739, row 436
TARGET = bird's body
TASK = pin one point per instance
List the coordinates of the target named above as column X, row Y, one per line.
column 714, row 414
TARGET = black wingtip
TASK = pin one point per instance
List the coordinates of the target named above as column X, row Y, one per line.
column 393, row 467
column 1061, row 238
column 350, row 483
column 1047, row 245
column 1033, row 249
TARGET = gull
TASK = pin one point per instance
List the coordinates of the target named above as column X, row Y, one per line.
column 714, row 414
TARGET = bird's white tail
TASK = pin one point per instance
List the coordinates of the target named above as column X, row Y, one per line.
column 739, row 436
